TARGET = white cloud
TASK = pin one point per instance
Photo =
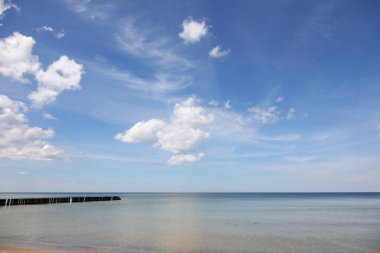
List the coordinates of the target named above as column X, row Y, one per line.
column 6, row 5
column 230, row 125
column 45, row 28
column 161, row 83
column 50, row 29
column 177, row 138
column 90, row 9
column 49, row 116
column 227, row 104
column 187, row 113
column 193, row 31
column 290, row 114
column 60, row 34
column 142, row 42
column 18, row 140
column 180, row 159
column 213, row 103
column 16, row 57
column 217, row 52
column 183, row 132
column 63, row 74
column 141, row 131
column 265, row 115
column 280, row 99
column 16, row 60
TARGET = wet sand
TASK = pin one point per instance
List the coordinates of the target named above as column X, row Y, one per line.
column 33, row 250
column 19, row 250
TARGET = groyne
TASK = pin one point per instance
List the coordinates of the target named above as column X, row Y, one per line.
column 54, row 200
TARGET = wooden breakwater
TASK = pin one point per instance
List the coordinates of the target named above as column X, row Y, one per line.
column 54, row 200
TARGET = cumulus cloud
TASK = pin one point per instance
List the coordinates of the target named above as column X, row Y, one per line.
column 6, row 5
column 16, row 58
column 290, row 114
column 180, row 159
column 217, row 52
column 265, row 115
column 60, row 34
column 141, row 131
column 187, row 113
column 20, row 141
column 176, row 138
column 63, row 74
column 181, row 133
column 193, row 31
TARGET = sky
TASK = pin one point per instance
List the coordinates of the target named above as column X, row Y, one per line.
column 189, row 96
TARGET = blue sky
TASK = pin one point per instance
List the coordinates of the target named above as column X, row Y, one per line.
column 189, row 96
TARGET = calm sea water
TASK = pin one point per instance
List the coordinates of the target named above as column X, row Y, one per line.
column 230, row 222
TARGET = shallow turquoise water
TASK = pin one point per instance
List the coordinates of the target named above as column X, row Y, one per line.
column 222, row 222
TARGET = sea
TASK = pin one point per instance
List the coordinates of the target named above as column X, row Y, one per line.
column 198, row 222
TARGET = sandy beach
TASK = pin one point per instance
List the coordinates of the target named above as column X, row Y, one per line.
column 19, row 250
column 28, row 250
